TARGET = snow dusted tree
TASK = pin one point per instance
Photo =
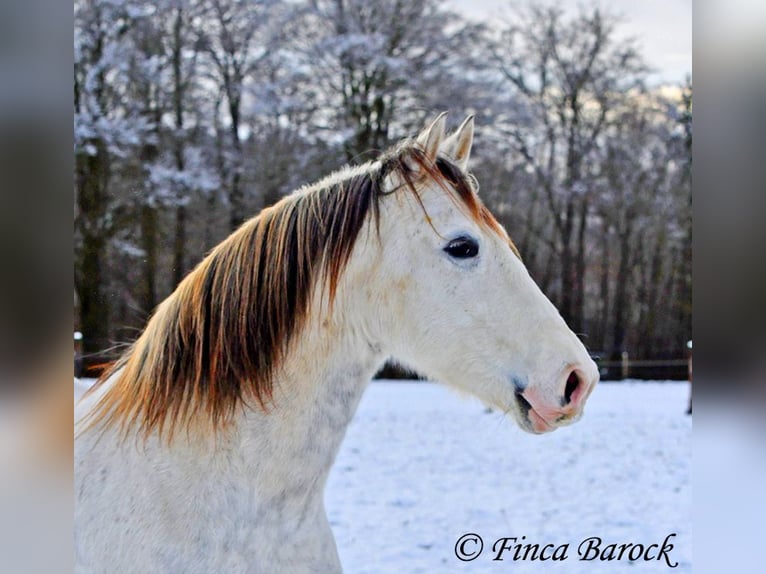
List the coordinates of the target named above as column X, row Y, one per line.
column 135, row 83
column 108, row 128
column 642, row 205
column 183, row 168
column 663, row 296
column 681, row 298
column 166, row 78
column 239, row 38
column 377, row 69
column 633, row 187
column 568, row 74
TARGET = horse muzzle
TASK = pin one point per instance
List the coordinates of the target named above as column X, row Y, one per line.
column 543, row 413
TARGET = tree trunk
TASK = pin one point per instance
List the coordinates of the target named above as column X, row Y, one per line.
column 578, row 322
column 621, row 295
column 179, row 245
column 179, row 237
column 548, row 277
column 604, row 292
column 92, row 177
column 94, row 305
column 148, row 297
column 568, row 283
column 527, row 240
column 211, row 234
column 149, row 222
column 652, row 296
column 236, row 198
column 641, row 300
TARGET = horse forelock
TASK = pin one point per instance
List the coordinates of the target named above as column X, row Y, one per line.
column 218, row 341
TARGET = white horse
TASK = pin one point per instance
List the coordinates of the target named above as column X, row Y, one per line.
column 207, row 447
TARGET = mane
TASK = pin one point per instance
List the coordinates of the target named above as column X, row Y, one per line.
column 218, row 340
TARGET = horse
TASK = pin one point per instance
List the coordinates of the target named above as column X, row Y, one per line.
column 207, row 446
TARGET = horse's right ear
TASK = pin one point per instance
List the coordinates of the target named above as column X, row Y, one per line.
column 431, row 137
column 458, row 145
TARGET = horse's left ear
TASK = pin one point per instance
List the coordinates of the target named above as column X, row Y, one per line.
column 431, row 137
column 458, row 145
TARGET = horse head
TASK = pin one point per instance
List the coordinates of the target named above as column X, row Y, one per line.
column 453, row 299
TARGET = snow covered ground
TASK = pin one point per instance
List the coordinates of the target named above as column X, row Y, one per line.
column 422, row 466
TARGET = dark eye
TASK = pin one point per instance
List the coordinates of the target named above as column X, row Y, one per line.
column 462, row 248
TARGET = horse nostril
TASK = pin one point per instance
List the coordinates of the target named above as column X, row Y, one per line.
column 573, row 381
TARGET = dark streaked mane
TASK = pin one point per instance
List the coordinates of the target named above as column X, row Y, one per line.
column 219, row 338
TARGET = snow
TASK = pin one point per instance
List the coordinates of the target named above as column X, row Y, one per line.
column 422, row 466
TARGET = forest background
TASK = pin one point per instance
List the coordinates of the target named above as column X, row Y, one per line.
column 192, row 115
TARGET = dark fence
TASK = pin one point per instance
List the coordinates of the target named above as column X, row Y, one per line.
column 649, row 369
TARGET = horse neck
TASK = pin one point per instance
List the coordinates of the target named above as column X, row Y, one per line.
column 292, row 446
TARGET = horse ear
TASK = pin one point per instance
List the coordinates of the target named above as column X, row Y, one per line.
column 431, row 137
column 458, row 145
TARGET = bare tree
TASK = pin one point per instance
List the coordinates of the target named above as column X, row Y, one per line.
column 566, row 74
column 637, row 199
column 239, row 37
column 378, row 67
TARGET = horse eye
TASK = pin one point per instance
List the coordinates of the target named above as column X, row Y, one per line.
column 462, row 248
